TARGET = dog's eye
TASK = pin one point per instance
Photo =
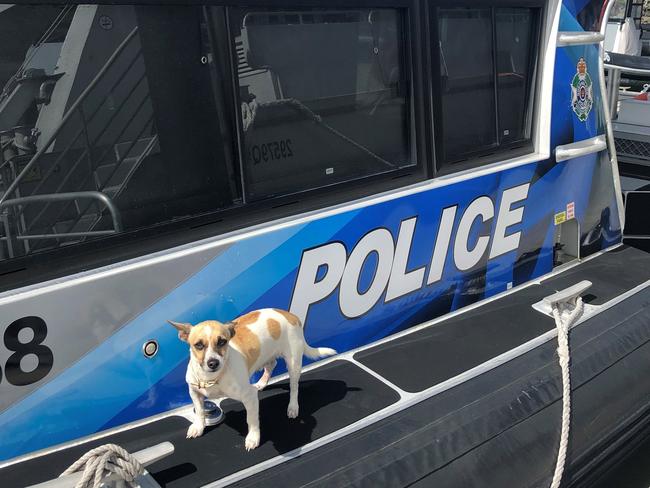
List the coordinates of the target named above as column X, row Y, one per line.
column 199, row 346
column 221, row 342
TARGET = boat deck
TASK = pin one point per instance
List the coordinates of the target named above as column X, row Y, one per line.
column 441, row 406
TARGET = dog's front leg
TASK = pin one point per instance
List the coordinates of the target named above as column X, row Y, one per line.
column 251, row 404
column 196, row 429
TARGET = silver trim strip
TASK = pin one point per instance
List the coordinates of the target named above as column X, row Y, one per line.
column 580, row 148
column 409, row 399
column 578, row 38
column 616, row 177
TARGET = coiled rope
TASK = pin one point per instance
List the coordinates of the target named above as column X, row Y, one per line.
column 563, row 352
column 104, row 461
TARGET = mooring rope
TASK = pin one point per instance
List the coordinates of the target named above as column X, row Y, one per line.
column 563, row 352
column 104, row 461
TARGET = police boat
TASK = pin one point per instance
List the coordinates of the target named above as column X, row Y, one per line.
column 430, row 186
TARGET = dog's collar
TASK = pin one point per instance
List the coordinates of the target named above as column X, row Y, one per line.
column 202, row 384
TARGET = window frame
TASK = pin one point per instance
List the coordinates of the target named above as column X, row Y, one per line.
column 67, row 260
column 500, row 152
column 375, row 182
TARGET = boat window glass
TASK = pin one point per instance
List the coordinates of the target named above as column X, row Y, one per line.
column 111, row 102
column 486, row 64
column 467, row 81
column 513, row 28
column 324, row 97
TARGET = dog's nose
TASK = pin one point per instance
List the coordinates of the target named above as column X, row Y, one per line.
column 213, row 364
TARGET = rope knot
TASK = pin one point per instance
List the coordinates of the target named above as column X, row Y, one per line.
column 103, row 461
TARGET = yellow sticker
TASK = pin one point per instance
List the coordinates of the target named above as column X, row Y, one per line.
column 560, row 217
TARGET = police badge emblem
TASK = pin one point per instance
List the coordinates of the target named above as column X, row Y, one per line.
column 582, row 98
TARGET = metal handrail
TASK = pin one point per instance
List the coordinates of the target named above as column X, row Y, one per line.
column 608, row 117
column 570, row 38
column 68, row 115
column 60, row 197
column 580, row 148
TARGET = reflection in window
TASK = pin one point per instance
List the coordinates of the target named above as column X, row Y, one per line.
column 108, row 99
column 324, row 97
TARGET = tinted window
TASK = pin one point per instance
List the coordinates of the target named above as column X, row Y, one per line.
column 485, row 85
column 324, row 97
column 467, row 79
column 116, row 100
column 514, row 27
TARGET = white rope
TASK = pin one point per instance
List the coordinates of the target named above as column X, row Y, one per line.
column 563, row 352
column 104, row 461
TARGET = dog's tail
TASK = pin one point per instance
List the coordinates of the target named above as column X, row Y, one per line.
column 318, row 352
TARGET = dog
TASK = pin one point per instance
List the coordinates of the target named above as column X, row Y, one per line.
column 224, row 356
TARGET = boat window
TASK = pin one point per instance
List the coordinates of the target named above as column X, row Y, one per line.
column 324, row 97
column 485, row 102
column 513, row 27
column 114, row 109
column 467, row 79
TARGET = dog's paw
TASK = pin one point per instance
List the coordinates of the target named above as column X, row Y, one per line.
column 252, row 440
column 292, row 411
column 195, row 430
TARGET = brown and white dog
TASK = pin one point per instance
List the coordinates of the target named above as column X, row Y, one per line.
column 224, row 356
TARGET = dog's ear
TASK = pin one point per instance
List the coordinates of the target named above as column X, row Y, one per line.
column 183, row 329
column 231, row 329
